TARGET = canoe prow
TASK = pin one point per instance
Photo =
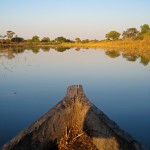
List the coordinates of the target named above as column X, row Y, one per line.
column 74, row 109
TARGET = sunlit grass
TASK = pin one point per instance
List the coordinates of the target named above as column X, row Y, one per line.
column 120, row 44
column 139, row 47
column 130, row 47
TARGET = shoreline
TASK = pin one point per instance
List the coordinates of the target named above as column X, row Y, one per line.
column 118, row 44
column 136, row 47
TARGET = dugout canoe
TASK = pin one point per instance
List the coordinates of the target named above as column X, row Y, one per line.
column 73, row 109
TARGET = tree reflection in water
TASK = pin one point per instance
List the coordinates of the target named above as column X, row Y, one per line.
column 112, row 54
column 9, row 52
column 144, row 60
column 61, row 49
column 130, row 57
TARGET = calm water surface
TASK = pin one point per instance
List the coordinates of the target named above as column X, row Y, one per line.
column 31, row 82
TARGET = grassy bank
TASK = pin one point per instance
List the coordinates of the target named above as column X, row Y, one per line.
column 138, row 45
column 117, row 44
column 127, row 46
column 130, row 50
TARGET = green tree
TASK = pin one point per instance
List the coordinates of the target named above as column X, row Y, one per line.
column 145, row 29
column 17, row 39
column 112, row 35
column 78, row 40
column 9, row 34
column 145, row 32
column 130, row 33
column 45, row 39
column 35, row 38
column 68, row 40
column 61, row 39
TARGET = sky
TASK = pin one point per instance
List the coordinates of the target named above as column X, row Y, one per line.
column 86, row 19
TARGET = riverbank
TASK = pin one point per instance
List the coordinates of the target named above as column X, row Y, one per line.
column 137, row 47
column 128, row 47
column 134, row 45
column 143, row 45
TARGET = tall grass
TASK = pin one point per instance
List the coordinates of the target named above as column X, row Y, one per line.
column 128, row 46
column 119, row 44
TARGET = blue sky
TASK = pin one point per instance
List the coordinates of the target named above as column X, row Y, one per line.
column 90, row 19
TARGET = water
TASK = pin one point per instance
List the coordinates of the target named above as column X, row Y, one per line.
column 33, row 81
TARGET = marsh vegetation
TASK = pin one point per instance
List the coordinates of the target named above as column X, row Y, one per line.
column 130, row 40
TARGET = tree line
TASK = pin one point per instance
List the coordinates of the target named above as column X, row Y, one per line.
column 129, row 34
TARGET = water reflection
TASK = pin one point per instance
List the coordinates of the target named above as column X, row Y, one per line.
column 77, row 49
column 46, row 49
column 61, row 49
column 9, row 53
column 144, row 60
column 112, row 54
column 36, row 79
column 130, row 57
column 35, row 50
